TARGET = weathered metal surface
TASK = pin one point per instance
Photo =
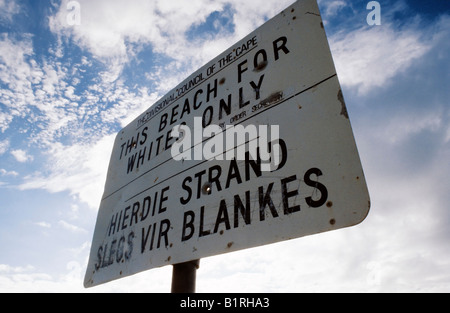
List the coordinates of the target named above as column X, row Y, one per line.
column 156, row 211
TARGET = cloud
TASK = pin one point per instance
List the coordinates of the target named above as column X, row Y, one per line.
column 62, row 118
column 115, row 32
column 367, row 58
column 16, row 73
column 40, row 94
column 80, row 169
column 68, row 124
column 106, row 25
column 9, row 269
column 5, row 120
column 4, row 172
column 8, row 8
column 4, row 145
column 401, row 128
column 43, row 224
column 21, row 156
column 74, row 126
column 29, row 279
column 332, row 7
column 71, row 227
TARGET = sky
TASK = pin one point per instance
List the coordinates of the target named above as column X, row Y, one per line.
column 67, row 87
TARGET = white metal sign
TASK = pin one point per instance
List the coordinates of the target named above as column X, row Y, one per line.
column 180, row 188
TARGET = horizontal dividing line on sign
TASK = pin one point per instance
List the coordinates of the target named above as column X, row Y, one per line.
column 199, row 84
column 202, row 162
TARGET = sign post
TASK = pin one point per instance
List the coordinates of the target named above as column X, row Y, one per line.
column 184, row 277
column 254, row 148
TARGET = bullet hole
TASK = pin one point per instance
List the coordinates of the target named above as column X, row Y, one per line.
column 206, row 188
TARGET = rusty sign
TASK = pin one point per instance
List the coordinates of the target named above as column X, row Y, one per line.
column 254, row 148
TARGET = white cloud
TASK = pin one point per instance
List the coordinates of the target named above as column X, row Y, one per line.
column 43, row 95
column 43, row 224
column 399, row 128
column 331, row 8
column 33, row 279
column 4, row 268
column 21, row 156
column 80, row 168
column 8, row 8
column 28, row 279
column 54, row 109
column 106, row 27
column 4, row 172
column 115, row 31
column 71, row 227
column 16, row 73
column 37, row 93
column 5, row 120
column 368, row 58
column 4, row 145
column 113, row 35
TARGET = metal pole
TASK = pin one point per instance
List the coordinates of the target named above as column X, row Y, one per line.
column 183, row 277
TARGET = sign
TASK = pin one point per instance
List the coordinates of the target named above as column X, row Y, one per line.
column 175, row 192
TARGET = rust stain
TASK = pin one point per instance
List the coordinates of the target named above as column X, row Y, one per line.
column 275, row 97
column 340, row 97
column 261, row 66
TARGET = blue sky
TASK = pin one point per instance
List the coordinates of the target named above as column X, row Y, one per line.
column 66, row 90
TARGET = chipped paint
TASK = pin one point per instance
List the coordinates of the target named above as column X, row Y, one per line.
column 273, row 98
column 340, row 97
